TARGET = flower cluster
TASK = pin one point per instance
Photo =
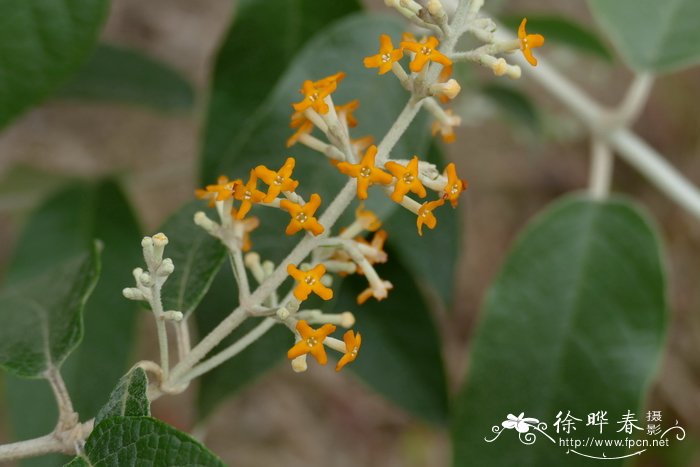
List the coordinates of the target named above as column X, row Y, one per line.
column 401, row 179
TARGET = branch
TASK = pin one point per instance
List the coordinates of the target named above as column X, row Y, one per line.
column 629, row 146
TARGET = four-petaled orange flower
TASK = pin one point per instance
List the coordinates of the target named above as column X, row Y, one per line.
column 315, row 93
column 248, row 194
column 309, row 281
column 303, row 216
column 277, row 181
column 352, row 347
column 303, row 126
column 386, row 57
column 426, row 216
column 348, row 109
column 331, row 81
column 311, row 341
column 454, row 186
column 367, row 218
column 425, row 52
column 249, row 225
column 365, row 172
column 221, row 191
column 406, row 179
column 529, row 41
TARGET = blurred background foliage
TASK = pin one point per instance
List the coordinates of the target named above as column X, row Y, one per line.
column 176, row 93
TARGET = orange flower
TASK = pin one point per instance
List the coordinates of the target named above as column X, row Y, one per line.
column 377, row 243
column 222, row 191
column 386, row 57
column 352, row 345
column 360, row 144
column 406, row 179
column 303, row 216
column 249, row 225
column 529, row 41
column 348, row 109
column 311, row 342
column 303, row 126
column 248, row 194
column 309, row 281
column 367, row 218
column 331, row 81
column 426, row 216
column 446, row 129
column 277, row 181
column 315, row 93
column 454, row 186
column 365, row 172
column 425, row 52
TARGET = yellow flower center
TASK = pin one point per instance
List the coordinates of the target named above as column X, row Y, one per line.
column 386, row 57
column 301, row 217
column 425, row 213
column 247, row 195
column 313, row 97
column 455, row 189
column 354, row 352
column 310, row 280
column 408, row 178
column 426, row 50
column 365, row 171
column 279, row 180
column 311, row 342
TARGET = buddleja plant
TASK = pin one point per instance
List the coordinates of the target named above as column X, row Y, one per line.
column 330, row 238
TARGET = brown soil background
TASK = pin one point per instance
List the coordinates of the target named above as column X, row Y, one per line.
column 325, row 419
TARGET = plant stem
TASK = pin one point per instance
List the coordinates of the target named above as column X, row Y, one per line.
column 229, row 352
column 32, row 448
column 66, row 414
column 627, row 145
column 601, row 169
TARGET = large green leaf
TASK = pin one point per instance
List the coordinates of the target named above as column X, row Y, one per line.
column 197, row 257
column 64, row 225
column 273, row 30
column 41, row 44
column 42, row 316
column 123, row 75
column 651, row 35
column 401, row 353
column 574, row 322
column 120, row 441
column 564, row 31
column 128, row 399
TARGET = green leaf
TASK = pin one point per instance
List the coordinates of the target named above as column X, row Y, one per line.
column 515, row 105
column 120, row 441
column 432, row 267
column 42, row 316
column 197, row 257
column 401, row 354
column 41, row 44
column 123, row 75
column 247, row 366
column 64, row 225
column 574, row 322
column 651, row 35
column 243, row 81
column 128, row 399
column 559, row 30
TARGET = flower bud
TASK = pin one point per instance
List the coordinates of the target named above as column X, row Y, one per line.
column 282, row 313
column 299, row 364
column 132, row 293
column 166, row 267
column 347, row 319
